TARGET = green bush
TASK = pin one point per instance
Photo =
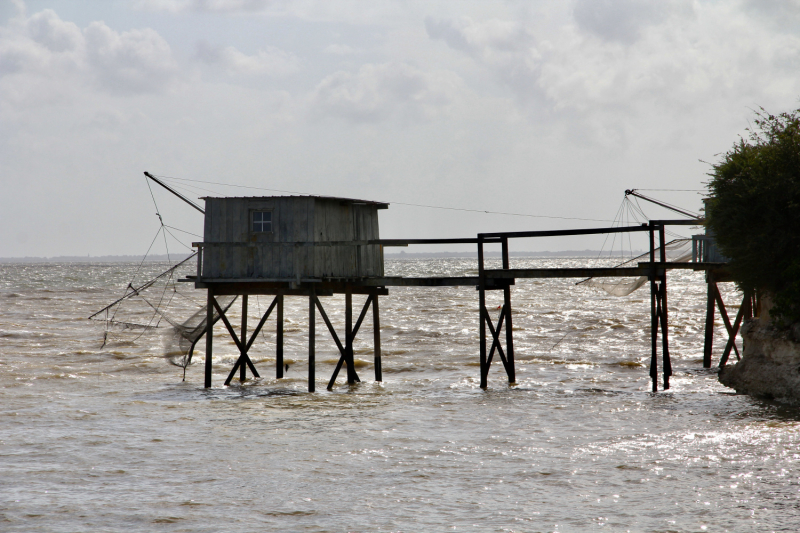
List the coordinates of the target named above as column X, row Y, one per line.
column 755, row 210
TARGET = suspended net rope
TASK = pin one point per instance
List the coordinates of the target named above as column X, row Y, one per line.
column 677, row 251
column 161, row 307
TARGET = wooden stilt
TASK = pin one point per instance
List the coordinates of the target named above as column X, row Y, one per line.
column 279, row 339
column 376, row 328
column 510, row 370
column 710, row 311
column 653, row 317
column 666, row 364
column 243, row 351
column 481, row 311
column 209, row 335
column 312, row 333
column 348, row 348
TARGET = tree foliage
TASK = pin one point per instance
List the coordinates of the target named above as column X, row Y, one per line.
column 755, row 210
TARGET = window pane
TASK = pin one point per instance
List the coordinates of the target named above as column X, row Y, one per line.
column 257, row 216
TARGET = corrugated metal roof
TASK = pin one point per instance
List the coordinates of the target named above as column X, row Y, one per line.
column 379, row 205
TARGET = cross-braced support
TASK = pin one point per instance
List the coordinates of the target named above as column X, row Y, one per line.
column 715, row 302
column 346, row 351
column 243, row 343
column 507, row 355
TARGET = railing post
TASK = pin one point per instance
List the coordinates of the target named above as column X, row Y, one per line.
column 199, row 261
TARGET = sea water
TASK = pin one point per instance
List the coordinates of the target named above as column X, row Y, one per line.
column 109, row 437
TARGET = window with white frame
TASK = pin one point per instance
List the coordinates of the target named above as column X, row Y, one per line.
column 261, row 222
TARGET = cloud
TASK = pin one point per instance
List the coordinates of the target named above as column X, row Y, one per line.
column 271, row 61
column 338, row 49
column 129, row 62
column 618, row 57
column 45, row 47
column 625, row 20
column 220, row 6
column 380, row 91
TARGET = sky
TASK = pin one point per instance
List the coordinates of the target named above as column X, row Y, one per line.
column 545, row 109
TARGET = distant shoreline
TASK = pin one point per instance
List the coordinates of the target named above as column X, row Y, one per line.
column 95, row 259
column 179, row 257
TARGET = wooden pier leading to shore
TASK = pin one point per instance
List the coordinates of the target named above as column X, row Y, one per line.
column 496, row 339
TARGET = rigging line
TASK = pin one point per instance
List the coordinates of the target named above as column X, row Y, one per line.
column 192, row 189
column 158, row 214
column 177, row 239
column 136, row 291
column 136, row 273
column 404, row 203
column 184, row 231
column 156, row 308
column 674, row 190
column 600, row 253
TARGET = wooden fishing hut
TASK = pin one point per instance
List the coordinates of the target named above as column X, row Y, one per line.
column 290, row 246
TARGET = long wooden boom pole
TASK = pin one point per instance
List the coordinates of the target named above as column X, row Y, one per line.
column 176, row 193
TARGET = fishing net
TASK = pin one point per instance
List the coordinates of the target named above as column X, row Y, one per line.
column 678, row 250
column 162, row 308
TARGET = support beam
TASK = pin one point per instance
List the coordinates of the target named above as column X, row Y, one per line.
column 510, row 370
column 209, row 335
column 710, row 311
column 348, row 328
column 376, row 328
column 653, row 318
column 312, row 333
column 279, row 339
column 243, row 352
column 481, row 311
column 666, row 367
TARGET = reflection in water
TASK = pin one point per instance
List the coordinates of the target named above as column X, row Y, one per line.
column 111, row 439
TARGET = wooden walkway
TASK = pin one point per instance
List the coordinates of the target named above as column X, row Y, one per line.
column 495, row 338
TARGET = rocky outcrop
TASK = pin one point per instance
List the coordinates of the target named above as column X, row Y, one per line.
column 770, row 365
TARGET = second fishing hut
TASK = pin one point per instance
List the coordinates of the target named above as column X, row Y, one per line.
column 290, row 245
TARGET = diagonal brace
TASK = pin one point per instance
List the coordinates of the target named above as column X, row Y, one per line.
column 239, row 345
column 496, row 338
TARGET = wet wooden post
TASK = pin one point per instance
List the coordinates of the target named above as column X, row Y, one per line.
column 209, row 335
column 348, row 346
column 710, row 311
column 653, row 317
column 312, row 332
column 481, row 311
column 376, row 326
column 243, row 351
column 510, row 370
column 279, row 339
column 666, row 362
